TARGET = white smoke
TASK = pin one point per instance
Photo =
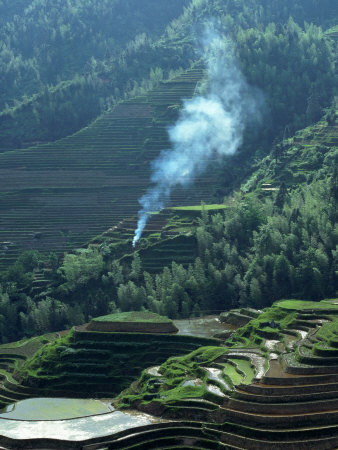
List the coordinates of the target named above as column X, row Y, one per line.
column 209, row 126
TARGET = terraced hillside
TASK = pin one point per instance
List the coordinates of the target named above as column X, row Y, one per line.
column 169, row 237
column 104, row 362
column 273, row 384
column 311, row 152
column 12, row 356
column 58, row 196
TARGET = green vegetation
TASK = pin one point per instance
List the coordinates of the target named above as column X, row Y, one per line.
column 304, row 305
column 198, row 208
column 98, row 359
column 207, row 391
column 273, row 321
column 259, row 249
column 64, row 62
column 235, row 377
column 188, row 377
column 93, row 165
column 133, row 316
column 268, row 325
column 173, row 374
column 247, row 368
column 273, row 234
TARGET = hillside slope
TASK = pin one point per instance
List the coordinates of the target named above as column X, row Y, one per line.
column 62, row 66
column 58, row 196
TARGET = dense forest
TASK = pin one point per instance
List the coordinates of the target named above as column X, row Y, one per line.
column 64, row 63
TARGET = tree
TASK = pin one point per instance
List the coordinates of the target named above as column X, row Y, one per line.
column 136, row 267
column 77, row 269
column 281, row 196
column 314, row 109
column 282, row 282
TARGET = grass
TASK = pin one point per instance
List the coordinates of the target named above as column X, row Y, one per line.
column 45, row 358
column 99, row 357
column 180, row 385
column 327, row 336
column 133, row 316
column 183, row 392
column 231, row 372
column 312, row 148
column 245, row 367
column 26, row 342
column 175, row 372
column 198, row 208
column 299, row 305
column 328, row 331
column 260, row 327
column 334, row 29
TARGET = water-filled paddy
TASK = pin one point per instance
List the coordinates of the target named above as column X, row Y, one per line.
column 54, row 409
column 205, row 326
column 79, row 429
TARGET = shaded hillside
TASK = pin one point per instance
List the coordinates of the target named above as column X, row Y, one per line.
column 47, row 42
column 310, row 155
column 64, row 63
column 273, row 239
column 56, row 197
column 64, row 66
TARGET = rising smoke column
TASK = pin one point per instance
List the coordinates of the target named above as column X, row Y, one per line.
column 209, row 125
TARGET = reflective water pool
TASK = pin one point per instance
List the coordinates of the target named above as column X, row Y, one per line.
column 79, row 429
column 54, row 409
column 204, row 326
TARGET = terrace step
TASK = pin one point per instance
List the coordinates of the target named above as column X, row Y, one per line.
column 301, row 379
column 282, row 408
column 267, row 391
column 233, row 436
column 280, row 421
column 4, row 391
column 295, row 397
column 114, row 144
column 98, row 168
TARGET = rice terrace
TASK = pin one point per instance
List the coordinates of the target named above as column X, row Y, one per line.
column 168, row 224
column 271, row 382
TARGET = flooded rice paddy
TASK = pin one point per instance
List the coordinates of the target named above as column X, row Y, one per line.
column 75, row 429
column 153, row 371
column 205, row 326
column 54, row 409
column 215, row 390
column 216, row 375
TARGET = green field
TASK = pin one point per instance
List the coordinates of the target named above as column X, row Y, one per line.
column 199, row 208
column 299, row 305
column 133, row 316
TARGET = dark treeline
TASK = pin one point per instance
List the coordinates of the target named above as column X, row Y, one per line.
column 63, row 64
column 44, row 42
column 54, row 58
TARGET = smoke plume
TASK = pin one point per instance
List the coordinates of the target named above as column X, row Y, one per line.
column 210, row 125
